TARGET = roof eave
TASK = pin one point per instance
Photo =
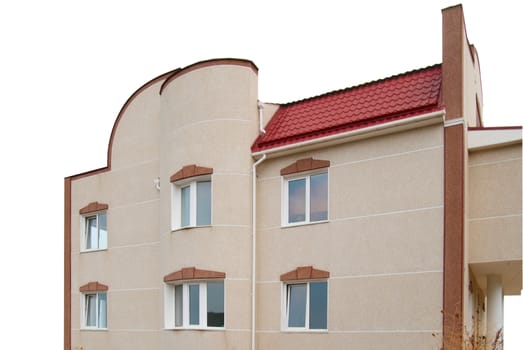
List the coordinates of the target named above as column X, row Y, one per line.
column 485, row 138
column 430, row 118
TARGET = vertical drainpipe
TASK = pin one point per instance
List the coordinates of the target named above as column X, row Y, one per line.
column 253, row 287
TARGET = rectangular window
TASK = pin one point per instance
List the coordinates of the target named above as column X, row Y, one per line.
column 95, row 231
column 95, row 310
column 305, row 199
column 306, row 306
column 191, row 203
column 196, row 305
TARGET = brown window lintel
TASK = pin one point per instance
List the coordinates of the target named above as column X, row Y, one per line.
column 192, row 273
column 93, row 207
column 304, row 273
column 305, row 164
column 190, row 171
column 93, row 287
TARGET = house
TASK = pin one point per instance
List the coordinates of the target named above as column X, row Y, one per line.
column 383, row 214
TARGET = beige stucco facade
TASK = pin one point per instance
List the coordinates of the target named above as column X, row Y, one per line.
column 129, row 265
column 380, row 250
column 150, row 142
column 381, row 244
column 494, row 223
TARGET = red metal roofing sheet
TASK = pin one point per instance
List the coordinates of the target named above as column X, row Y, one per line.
column 409, row 94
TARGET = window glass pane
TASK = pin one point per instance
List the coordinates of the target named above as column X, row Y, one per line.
column 203, row 203
column 215, row 309
column 297, row 299
column 91, row 236
column 102, row 310
column 318, row 305
column 194, row 304
column 178, row 306
column 186, row 206
column 102, row 231
column 319, row 197
column 297, row 200
column 90, row 310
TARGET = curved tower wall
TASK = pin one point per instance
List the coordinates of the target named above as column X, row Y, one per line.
column 208, row 117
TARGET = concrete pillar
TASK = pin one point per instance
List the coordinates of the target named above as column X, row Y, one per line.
column 494, row 308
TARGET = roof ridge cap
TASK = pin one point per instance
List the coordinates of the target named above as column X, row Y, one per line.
column 395, row 76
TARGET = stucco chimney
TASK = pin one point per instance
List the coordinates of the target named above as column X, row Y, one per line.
column 461, row 87
column 454, row 41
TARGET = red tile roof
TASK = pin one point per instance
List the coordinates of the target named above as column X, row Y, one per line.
column 401, row 96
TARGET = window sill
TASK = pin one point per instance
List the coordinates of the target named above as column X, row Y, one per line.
column 303, row 330
column 213, row 329
column 297, row 224
column 92, row 251
column 93, row 329
column 188, row 228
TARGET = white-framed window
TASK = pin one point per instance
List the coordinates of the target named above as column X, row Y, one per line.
column 94, row 310
column 305, row 198
column 304, row 306
column 195, row 304
column 192, row 203
column 94, row 231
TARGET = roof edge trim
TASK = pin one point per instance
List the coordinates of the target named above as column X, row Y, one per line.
column 358, row 134
column 483, row 128
column 209, row 63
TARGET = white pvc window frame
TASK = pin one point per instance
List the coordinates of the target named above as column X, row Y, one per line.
column 285, row 197
column 170, row 305
column 285, row 307
column 84, row 228
column 176, row 202
column 98, row 308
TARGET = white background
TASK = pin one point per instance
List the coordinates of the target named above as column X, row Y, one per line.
column 67, row 67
